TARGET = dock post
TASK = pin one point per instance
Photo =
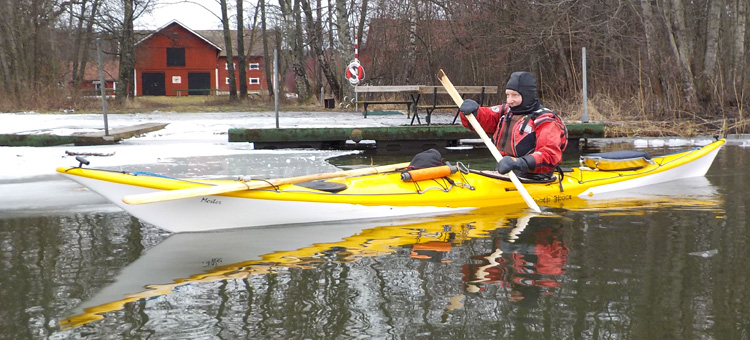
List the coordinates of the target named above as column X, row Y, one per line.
column 102, row 85
column 585, row 114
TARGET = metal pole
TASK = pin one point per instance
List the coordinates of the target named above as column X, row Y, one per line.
column 102, row 85
column 276, row 84
column 321, row 96
column 585, row 115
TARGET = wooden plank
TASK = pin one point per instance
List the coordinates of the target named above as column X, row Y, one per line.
column 452, row 106
column 488, row 90
column 115, row 135
column 407, row 89
column 369, row 102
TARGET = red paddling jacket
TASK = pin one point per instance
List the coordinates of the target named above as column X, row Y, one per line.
column 539, row 133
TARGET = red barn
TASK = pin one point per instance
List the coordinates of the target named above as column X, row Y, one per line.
column 175, row 60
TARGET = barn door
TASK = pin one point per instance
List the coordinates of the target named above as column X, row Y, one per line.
column 199, row 81
column 153, row 84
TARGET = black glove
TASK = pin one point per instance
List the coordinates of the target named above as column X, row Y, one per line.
column 508, row 163
column 469, row 107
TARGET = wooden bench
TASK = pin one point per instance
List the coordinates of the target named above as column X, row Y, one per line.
column 483, row 91
column 200, row 92
column 412, row 91
column 366, row 103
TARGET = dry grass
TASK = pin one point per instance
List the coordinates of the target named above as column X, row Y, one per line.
column 54, row 101
column 625, row 119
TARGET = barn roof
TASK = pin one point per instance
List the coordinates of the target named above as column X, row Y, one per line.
column 175, row 22
column 215, row 38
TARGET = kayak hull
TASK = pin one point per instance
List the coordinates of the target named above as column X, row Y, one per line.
column 370, row 197
column 198, row 214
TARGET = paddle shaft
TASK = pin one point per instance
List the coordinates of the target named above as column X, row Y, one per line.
column 169, row 195
column 487, row 141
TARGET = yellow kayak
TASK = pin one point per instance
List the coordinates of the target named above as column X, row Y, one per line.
column 381, row 195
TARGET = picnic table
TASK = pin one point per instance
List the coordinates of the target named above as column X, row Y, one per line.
column 410, row 95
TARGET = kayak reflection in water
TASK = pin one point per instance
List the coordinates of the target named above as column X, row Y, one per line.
column 528, row 260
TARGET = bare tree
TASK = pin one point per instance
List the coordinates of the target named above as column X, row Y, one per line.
column 28, row 57
column 116, row 20
column 680, row 44
column 228, row 46
column 83, row 34
column 739, row 59
column 266, row 56
column 712, row 45
column 241, row 58
column 316, row 43
column 292, row 32
column 345, row 48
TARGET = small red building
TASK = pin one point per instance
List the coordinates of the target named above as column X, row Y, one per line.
column 90, row 84
column 175, row 60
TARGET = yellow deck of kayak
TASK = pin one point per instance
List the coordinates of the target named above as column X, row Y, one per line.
column 467, row 190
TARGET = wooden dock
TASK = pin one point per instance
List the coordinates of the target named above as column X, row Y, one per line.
column 389, row 139
column 88, row 138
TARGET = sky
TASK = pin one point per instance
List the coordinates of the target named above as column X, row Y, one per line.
column 195, row 14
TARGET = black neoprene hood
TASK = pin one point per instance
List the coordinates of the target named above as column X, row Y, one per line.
column 525, row 84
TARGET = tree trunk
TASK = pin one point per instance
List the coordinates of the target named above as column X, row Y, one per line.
column 680, row 44
column 648, row 20
column 738, row 60
column 10, row 57
column 346, row 51
column 266, row 59
column 78, row 47
column 709, row 74
column 315, row 32
column 361, row 25
column 230, row 56
column 298, row 52
column 411, row 50
column 88, row 36
column 241, row 59
column 712, row 37
column 127, row 53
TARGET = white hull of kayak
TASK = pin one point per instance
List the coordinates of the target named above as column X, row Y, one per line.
column 222, row 212
column 696, row 168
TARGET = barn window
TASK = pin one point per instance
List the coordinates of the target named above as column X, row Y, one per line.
column 175, row 56
column 254, row 81
column 254, row 66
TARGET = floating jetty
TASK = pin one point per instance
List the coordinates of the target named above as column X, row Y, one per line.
column 86, row 138
column 389, row 139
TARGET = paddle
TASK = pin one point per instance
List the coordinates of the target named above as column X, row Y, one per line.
column 486, row 139
column 169, row 195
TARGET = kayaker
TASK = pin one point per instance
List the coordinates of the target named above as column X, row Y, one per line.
column 530, row 136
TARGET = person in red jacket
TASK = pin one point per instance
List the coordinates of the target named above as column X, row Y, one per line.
column 529, row 136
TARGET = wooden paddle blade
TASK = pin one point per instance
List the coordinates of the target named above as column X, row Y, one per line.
column 169, row 195
column 450, row 88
